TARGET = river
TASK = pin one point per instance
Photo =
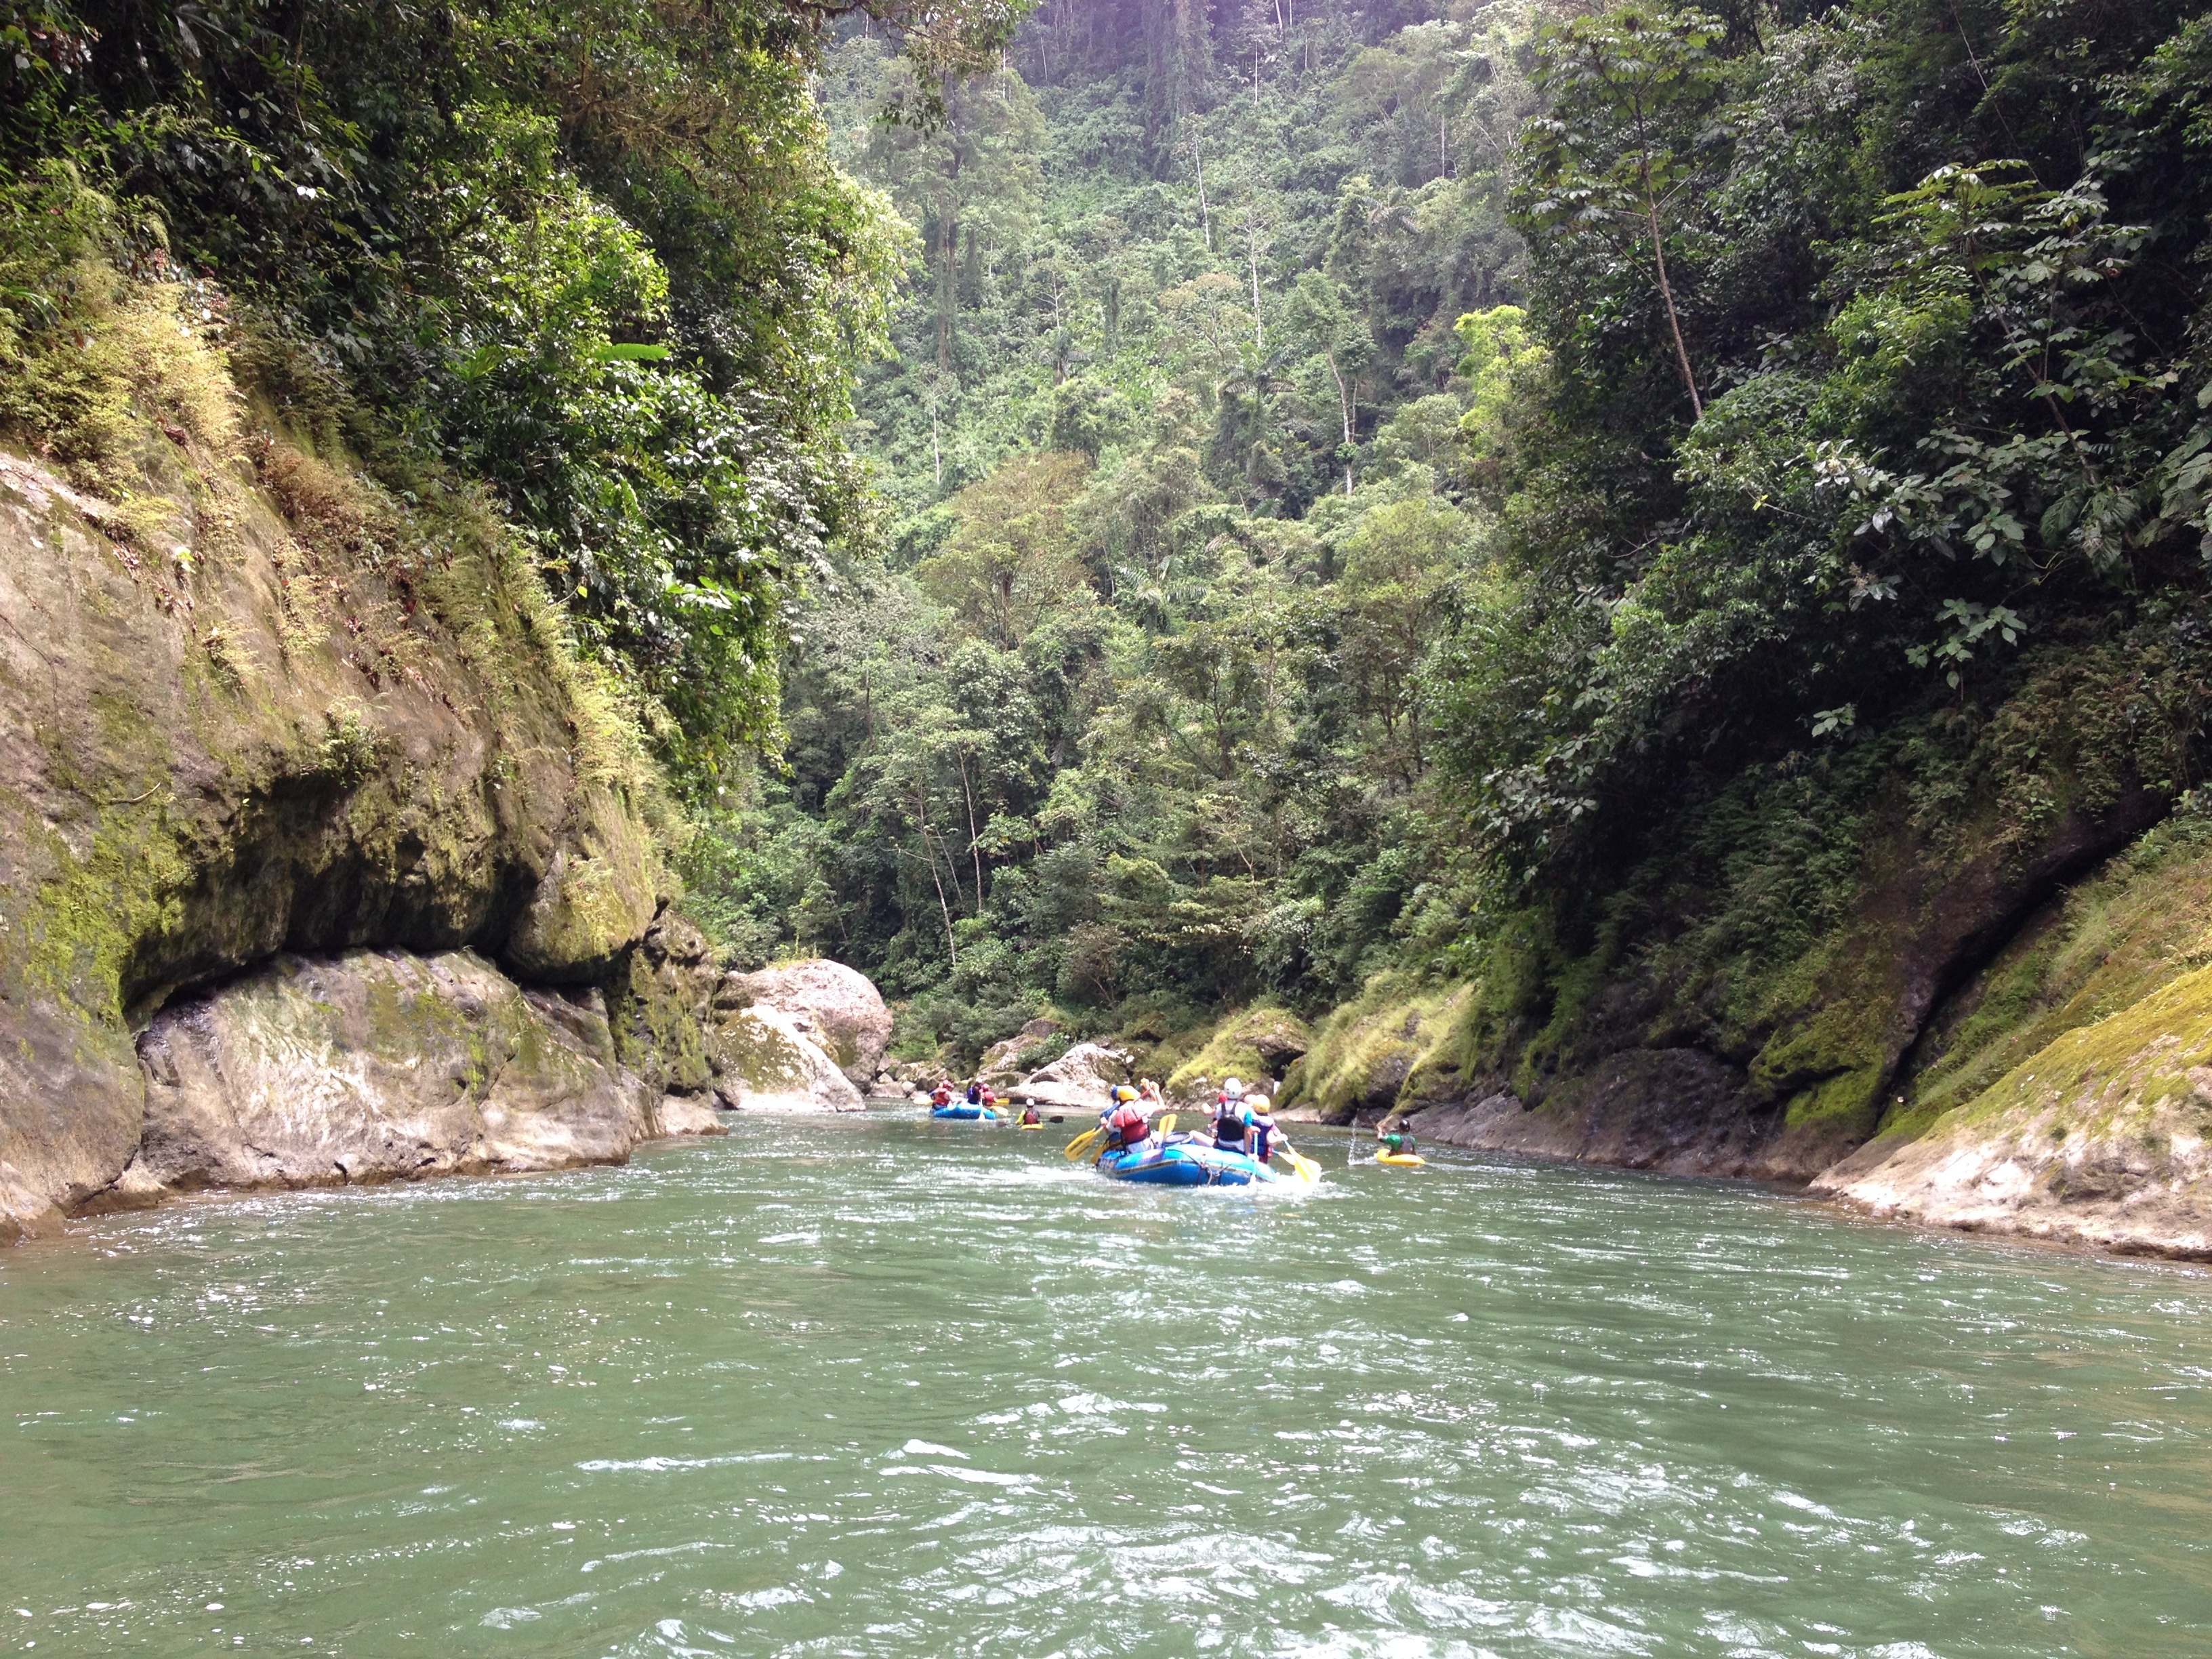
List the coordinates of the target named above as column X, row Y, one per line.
column 878, row 1386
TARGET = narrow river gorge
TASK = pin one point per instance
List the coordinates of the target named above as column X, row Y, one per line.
column 866, row 1385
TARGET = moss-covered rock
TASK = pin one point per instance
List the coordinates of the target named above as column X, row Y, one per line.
column 1254, row 1044
column 2103, row 1136
column 596, row 899
column 660, row 999
column 251, row 702
column 765, row 1063
column 837, row 1007
column 376, row 1066
column 1398, row 1045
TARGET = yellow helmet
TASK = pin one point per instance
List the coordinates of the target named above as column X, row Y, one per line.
column 1123, row 1093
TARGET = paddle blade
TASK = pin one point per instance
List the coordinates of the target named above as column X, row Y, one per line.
column 1166, row 1122
column 1081, row 1146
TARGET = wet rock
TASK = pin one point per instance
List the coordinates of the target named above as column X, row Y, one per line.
column 836, row 1008
column 377, row 1066
column 764, row 1062
column 688, row 1115
column 2103, row 1136
column 1677, row 1111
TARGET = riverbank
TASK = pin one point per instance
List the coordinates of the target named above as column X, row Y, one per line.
column 325, row 857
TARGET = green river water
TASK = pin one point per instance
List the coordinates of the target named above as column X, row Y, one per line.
column 880, row 1387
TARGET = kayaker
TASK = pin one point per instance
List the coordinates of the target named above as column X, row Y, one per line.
column 1125, row 1123
column 1260, row 1117
column 1232, row 1124
column 1396, row 1138
column 1029, row 1120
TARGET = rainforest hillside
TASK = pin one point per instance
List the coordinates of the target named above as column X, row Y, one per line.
column 1638, row 529
column 1320, row 521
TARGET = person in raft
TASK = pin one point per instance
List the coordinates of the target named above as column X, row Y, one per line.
column 1125, row 1121
column 1259, row 1117
column 1149, row 1092
column 942, row 1094
column 1232, row 1122
column 985, row 1095
column 1394, row 1136
column 975, row 1091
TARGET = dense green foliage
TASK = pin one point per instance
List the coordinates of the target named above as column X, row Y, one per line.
column 1494, row 492
column 596, row 254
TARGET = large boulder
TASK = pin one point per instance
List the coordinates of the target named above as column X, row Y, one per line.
column 836, row 1008
column 1079, row 1079
column 1004, row 1064
column 764, row 1062
column 377, row 1066
column 234, row 721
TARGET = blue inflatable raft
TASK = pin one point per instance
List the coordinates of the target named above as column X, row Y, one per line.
column 1192, row 1164
column 965, row 1112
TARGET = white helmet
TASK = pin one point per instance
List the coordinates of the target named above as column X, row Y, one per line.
column 1233, row 1088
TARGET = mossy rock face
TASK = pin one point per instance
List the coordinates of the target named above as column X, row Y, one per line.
column 376, row 1066
column 303, row 716
column 660, row 1006
column 595, row 901
column 2104, row 1136
column 1257, row 1045
column 1397, row 1047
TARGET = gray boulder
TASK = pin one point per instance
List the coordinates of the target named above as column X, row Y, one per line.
column 764, row 1062
column 377, row 1066
column 836, row 1008
column 1079, row 1079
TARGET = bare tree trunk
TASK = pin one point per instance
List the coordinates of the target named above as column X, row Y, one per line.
column 1667, row 294
column 1344, row 405
column 1198, row 160
column 1252, row 252
column 948, row 284
column 921, row 815
column 974, row 841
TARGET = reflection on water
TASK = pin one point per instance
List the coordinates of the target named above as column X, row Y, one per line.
column 882, row 1387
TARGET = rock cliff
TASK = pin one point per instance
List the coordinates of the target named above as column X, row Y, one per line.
column 323, row 855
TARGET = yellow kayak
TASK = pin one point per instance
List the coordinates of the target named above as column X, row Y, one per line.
column 1400, row 1157
column 1029, row 1125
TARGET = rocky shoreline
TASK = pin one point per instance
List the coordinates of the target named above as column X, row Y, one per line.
column 318, row 866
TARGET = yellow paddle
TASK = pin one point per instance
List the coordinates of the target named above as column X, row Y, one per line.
column 1083, row 1144
column 1305, row 1166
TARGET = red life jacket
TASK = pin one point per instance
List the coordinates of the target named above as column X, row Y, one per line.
column 1128, row 1122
